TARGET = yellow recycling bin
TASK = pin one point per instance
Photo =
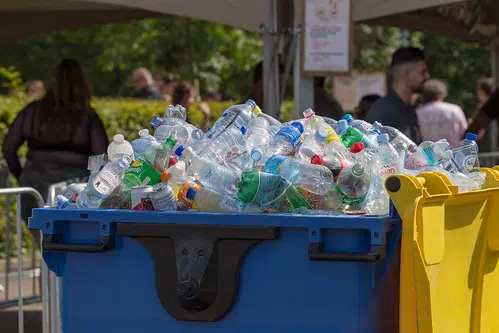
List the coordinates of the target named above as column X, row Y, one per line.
column 449, row 274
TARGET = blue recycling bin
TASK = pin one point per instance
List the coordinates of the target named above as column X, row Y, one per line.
column 186, row 272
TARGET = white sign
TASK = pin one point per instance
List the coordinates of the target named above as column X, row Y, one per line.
column 327, row 36
column 348, row 90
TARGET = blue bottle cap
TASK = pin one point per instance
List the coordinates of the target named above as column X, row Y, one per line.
column 243, row 130
column 348, row 117
column 156, row 121
column 321, row 135
column 256, row 154
column 376, row 125
column 342, row 125
column 298, row 125
column 471, row 136
column 179, row 150
column 383, row 138
column 191, row 193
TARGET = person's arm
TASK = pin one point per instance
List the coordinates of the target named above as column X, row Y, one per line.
column 13, row 140
column 488, row 112
column 98, row 136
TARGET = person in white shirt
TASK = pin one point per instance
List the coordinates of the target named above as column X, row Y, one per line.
column 438, row 119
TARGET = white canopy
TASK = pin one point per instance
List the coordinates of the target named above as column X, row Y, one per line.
column 450, row 18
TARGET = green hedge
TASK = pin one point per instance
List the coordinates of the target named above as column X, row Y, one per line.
column 126, row 116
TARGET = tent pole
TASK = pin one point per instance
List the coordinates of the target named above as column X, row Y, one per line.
column 271, row 63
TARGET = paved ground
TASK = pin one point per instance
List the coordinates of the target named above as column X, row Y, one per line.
column 32, row 312
column 32, row 319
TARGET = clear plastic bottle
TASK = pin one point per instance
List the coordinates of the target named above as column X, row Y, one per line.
column 427, row 155
column 159, row 157
column 64, row 203
column 207, row 200
column 333, row 146
column 218, row 177
column 397, row 138
column 373, row 133
column 257, row 134
column 310, row 147
column 352, row 187
column 334, row 164
column 288, row 138
column 178, row 176
column 387, row 161
column 311, row 177
column 237, row 115
column 466, row 154
column 225, row 143
column 141, row 144
column 119, row 147
column 104, row 183
column 363, row 125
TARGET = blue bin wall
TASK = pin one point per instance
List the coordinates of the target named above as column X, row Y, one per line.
column 280, row 288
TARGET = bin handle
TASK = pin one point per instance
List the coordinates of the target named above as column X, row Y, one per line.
column 316, row 253
column 51, row 244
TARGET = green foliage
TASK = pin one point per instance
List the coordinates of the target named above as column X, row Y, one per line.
column 219, row 57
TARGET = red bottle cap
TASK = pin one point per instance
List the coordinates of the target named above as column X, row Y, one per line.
column 316, row 159
column 357, row 147
column 172, row 161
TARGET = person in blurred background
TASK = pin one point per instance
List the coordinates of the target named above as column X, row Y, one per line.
column 62, row 131
column 439, row 119
column 143, row 84
column 35, row 90
column 184, row 94
column 409, row 72
column 165, row 83
column 324, row 103
column 484, row 88
column 365, row 104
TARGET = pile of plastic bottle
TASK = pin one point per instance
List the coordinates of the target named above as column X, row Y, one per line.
column 249, row 162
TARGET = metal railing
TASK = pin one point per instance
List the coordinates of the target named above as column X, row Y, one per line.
column 21, row 300
column 489, row 159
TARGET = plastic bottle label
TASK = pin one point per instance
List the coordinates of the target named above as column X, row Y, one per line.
column 469, row 163
column 182, row 194
column 229, row 204
column 273, row 164
column 105, row 182
column 429, row 155
column 388, row 170
column 141, row 174
column 290, row 134
column 348, row 200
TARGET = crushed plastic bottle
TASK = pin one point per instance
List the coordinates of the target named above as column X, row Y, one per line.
column 466, row 154
column 104, row 183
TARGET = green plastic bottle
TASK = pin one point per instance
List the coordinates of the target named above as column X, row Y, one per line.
column 141, row 173
column 272, row 192
column 351, row 136
column 159, row 157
